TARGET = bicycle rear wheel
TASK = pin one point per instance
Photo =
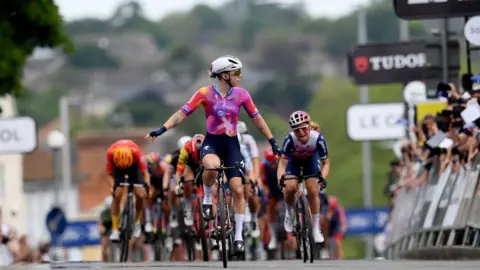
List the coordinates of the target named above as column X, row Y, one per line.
column 309, row 241
column 223, row 233
column 159, row 238
column 186, row 232
column 202, row 226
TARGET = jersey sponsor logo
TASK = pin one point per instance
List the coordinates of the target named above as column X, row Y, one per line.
column 122, row 156
column 221, row 107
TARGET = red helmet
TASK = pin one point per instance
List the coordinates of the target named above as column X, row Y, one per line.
column 297, row 118
column 269, row 155
column 196, row 144
column 153, row 158
column 332, row 202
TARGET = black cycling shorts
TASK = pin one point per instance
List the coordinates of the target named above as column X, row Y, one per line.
column 227, row 149
column 156, row 182
column 134, row 174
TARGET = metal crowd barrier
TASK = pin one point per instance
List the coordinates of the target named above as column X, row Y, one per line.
column 439, row 219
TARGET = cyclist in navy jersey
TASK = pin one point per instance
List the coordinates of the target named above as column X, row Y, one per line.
column 304, row 148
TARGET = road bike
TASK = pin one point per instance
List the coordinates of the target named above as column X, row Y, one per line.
column 303, row 228
column 223, row 226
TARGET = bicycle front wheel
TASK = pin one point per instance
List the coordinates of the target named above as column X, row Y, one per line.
column 309, row 241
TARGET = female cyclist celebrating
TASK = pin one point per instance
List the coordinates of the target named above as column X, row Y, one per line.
column 304, row 148
column 222, row 103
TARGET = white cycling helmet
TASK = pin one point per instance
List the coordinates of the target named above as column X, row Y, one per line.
column 198, row 135
column 224, row 64
column 241, row 127
column 108, row 201
column 297, row 118
column 183, row 140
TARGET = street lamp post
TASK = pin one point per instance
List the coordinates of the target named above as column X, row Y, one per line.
column 56, row 140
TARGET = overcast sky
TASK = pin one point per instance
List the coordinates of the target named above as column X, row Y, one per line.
column 156, row 9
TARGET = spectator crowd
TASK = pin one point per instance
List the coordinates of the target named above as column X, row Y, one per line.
column 17, row 249
column 449, row 137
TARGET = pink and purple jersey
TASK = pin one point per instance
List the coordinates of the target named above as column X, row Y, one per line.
column 221, row 112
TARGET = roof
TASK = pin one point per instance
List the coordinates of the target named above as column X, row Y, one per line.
column 38, row 165
column 89, row 137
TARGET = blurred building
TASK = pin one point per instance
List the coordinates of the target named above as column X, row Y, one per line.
column 12, row 197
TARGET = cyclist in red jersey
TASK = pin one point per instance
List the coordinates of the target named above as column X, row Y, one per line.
column 222, row 102
column 338, row 225
column 124, row 158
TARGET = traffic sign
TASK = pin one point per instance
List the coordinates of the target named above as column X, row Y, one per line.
column 56, row 221
column 472, row 30
column 17, row 135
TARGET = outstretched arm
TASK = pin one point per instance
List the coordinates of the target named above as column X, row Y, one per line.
column 175, row 119
column 257, row 119
column 180, row 115
column 262, row 126
column 323, row 153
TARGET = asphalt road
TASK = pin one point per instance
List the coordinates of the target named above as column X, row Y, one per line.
column 330, row 265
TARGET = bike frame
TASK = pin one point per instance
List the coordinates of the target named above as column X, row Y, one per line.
column 126, row 224
column 303, row 231
column 222, row 215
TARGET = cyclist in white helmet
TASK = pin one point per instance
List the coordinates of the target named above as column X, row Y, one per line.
column 173, row 183
column 248, row 143
column 222, row 102
column 304, row 148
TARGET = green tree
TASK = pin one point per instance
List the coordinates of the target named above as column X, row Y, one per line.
column 184, row 64
column 88, row 26
column 283, row 56
column 25, row 25
column 43, row 107
column 130, row 17
column 89, row 56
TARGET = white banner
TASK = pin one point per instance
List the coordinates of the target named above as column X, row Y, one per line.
column 437, row 193
column 418, row 206
column 455, row 199
column 466, row 201
column 367, row 122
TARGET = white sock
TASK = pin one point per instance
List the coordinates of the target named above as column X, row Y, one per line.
column 254, row 217
column 239, row 226
column 148, row 214
column 248, row 216
column 289, row 211
column 316, row 221
column 273, row 232
column 207, row 199
column 188, row 203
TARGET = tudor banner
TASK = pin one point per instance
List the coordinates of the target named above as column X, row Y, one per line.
column 435, row 9
column 387, row 63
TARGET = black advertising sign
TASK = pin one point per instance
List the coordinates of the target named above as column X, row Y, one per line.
column 387, row 63
column 435, row 9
